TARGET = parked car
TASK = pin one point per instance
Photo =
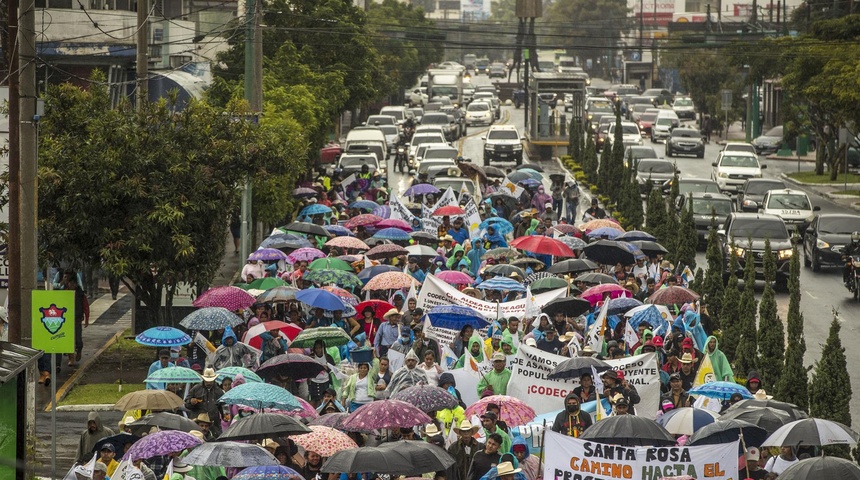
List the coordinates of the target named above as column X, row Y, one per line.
column 732, row 169
column 751, row 194
column 685, row 141
column 748, row 231
column 654, row 170
column 825, row 238
column 769, row 142
column 792, row 206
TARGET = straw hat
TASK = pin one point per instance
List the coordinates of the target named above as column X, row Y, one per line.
column 203, row 418
column 467, row 425
column 431, row 429
column 209, row 375
column 506, row 468
column 762, row 395
column 686, row 358
column 391, row 312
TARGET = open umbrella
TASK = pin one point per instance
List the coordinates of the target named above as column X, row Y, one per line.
column 174, row 374
column 363, row 220
column 812, row 431
column 229, row 297
column 512, row 410
column 314, row 209
column 267, row 255
column 284, row 240
column 278, row 294
column 421, row 189
column 334, row 420
column 306, row 228
column 596, row 293
column 386, row 250
column 575, row 265
column 501, row 252
column 421, row 251
column 211, row 318
column 149, row 400
column 502, row 226
column 471, row 170
column 596, row 278
column 791, row 409
column 534, row 277
column 366, row 274
column 394, row 223
column 767, row 418
column 637, row 236
column 448, row 211
column 575, row 243
column 338, row 230
column 529, row 183
column 263, row 425
column 727, row 430
column 455, row 317
column 569, row 306
column 346, row 297
column 528, row 262
column 231, row 372
column 650, row 248
column 382, row 211
column 600, row 223
column 577, row 366
column 325, row 441
column 303, row 192
column 252, row 336
column 455, row 277
column 428, row 398
column 494, row 171
column 607, row 232
column 404, row 457
column 831, row 468
column 617, row 306
column 329, row 263
column 364, row 204
column 609, row 252
column 293, row 365
column 386, row 414
column 686, row 420
column 161, row 443
column 266, row 283
column 306, row 255
column 721, row 390
column 267, row 472
column 653, row 315
column 391, row 281
column 330, row 276
column 549, row 283
column 629, row 431
column 118, row 441
column 162, row 337
column 394, row 234
column 505, row 270
column 502, row 284
column 425, row 238
column 230, row 454
column 164, row 421
column 673, row 296
column 379, row 307
column 320, row 299
column 332, row 336
column 261, row 395
column 542, row 245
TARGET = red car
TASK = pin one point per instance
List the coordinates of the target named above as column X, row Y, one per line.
column 645, row 121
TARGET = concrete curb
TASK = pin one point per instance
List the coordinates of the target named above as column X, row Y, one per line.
column 100, row 407
column 76, row 377
column 827, row 195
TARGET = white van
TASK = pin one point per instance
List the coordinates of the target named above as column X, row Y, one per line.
column 371, row 137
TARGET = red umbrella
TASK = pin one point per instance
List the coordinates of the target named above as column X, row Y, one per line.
column 673, row 296
column 363, row 220
column 394, row 223
column 380, row 308
column 455, row 277
column 252, row 336
column 596, row 293
column 229, row 297
column 543, row 245
column 450, row 210
column 386, row 250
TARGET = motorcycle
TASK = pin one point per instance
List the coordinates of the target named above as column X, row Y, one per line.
column 401, row 159
column 852, row 281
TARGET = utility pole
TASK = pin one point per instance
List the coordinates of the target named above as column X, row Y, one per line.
column 29, row 160
column 14, row 250
column 642, row 24
column 142, row 53
column 254, row 96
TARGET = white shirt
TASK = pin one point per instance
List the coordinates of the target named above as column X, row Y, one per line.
column 361, row 391
column 778, row 465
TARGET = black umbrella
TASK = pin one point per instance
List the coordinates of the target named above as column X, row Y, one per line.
column 532, row 166
column 577, row 366
column 425, row 238
column 725, row 431
column 767, row 418
column 528, row 261
column 812, row 431
column 791, row 409
column 609, row 252
column 293, row 365
column 576, row 265
column 569, row 306
column 650, row 248
column 505, row 270
column 164, row 421
column 118, row 441
column 629, row 431
column 507, row 200
column 595, row 278
column 263, row 425
column 494, row 171
column 831, row 468
column 406, row 457
column 308, row 228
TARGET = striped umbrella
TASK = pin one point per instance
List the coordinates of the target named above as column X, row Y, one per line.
column 163, row 337
column 502, row 284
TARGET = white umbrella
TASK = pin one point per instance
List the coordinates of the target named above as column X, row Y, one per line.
column 812, row 431
column 687, row 420
column 421, row 251
column 664, row 311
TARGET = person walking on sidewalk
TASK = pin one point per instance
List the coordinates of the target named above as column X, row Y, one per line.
column 82, row 314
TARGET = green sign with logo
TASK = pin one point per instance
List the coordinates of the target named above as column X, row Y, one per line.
column 54, row 321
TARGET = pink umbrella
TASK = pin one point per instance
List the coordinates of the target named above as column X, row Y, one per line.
column 347, row 242
column 394, row 223
column 363, row 220
column 596, row 293
column 229, row 297
column 384, row 414
column 325, row 441
column 455, row 277
column 391, row 281
column 307, row 254
column 512, row 410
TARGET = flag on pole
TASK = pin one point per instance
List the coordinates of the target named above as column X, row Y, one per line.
column 596, row 335
column 687, row 276
column 532, row 310
column 631, row 338
column 511, row 188
column 600, row 412
column 598, row 381
column 412, row 293
column 705, row 373
column 201, row 342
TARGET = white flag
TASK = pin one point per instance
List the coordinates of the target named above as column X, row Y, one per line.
column 531, row 309
column 511, row 188
column 412, row 293
column 598, row 382
column 348, row 181
column 595, row 334
column 630, row 337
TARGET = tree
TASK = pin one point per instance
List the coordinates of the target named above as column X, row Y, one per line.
column 656, row 217
column 771, row 336
column 634, row 214
column 590, row 160
column 698, row 281
column 746, row 352
column 713, row 287
column 604, row 178
column 729, row 310
column 830, row 388
column 591, row 29
column 686, row 239
column 617, row 158
column 793, row 385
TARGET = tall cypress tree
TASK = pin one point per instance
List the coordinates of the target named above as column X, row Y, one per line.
column 686, row 238
column 655, row 220
column 793, row 386
column 713, row 287
column 729, row 309
column 590, row 160
column 635, row 215
column 746, row 352
column 771, row 336
column 617, row 157
column 575, row 140
column 675, row 189
column 605, row 169
column 830, row 388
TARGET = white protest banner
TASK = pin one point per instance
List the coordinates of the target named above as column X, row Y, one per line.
column 569, row 458
column 348, row 181
column 529, row 380
column 472, row 218
column 446, row 336
column 126, row 471
column 436, row 292
column 431, row 223
column 399, row 210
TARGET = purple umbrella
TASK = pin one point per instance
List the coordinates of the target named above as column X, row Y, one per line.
column 267, row 255
column 428, row 398
column 382, row 211
column 161, row 443
column 268, row 472
column 305, row 255
column 385, row 414
column 421, row 189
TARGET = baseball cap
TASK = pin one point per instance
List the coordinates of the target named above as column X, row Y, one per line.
column 499, row 356
column 491, row 415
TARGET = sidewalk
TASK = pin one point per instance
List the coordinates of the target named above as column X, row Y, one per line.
column 825, row 190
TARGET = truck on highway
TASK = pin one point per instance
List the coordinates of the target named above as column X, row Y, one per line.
column 445, row 83
column 470, row 60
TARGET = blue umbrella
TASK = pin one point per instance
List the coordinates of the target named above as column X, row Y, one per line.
column 610, row 233
column 502, row 283
column 314, row 209
column 618, row 306
column 260, row 396
column 650, row 315
column 532, row 173
column 163, row 337
column 456, row 317
column 338, row 230
column 267, row 472
column 382, row 211
column 395, row 234
column 364, row 204
column 210, row 318
column 637, row 253
column 503, row 227
column 637, row 235
column 721, row 390
column 421, row 189
column 529, row 182
column 320, row 299
column 368, row 273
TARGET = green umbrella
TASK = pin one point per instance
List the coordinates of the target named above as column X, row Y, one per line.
column 330, row 263
column 266, row 283
column 548, row 283
column 328, row 276
column 231, row 372
column 332, row 336
column 174, row 375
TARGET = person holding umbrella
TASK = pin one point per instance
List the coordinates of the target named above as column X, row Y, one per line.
column 369, row 324
column 203, row 398
column 319, row 384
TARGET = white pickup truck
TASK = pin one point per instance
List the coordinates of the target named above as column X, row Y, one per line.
column 418, row 96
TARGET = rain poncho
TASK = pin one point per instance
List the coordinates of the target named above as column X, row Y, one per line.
column 89, row 439
column 474, row 256
column 478, row 358
column 530, row 463
column 233, row 355
column 406, row 377
column 452, row 260
column 495, row 239
column 540, row 199
column 508, row 339
column 532, row 226
column 722, row 369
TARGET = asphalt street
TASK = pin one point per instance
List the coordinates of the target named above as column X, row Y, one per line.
column 821, row 292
